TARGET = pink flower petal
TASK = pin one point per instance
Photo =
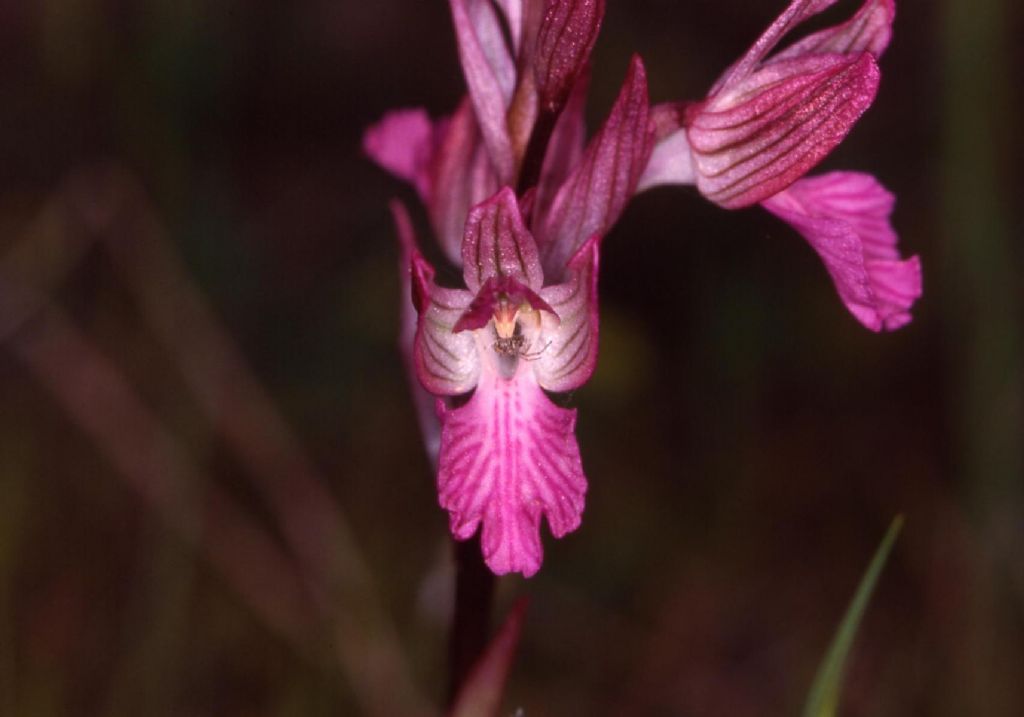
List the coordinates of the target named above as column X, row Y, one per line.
column 446, row 363
column 594, row 195
column 490, row 75
column 566, row 37
column 569, row 354
column 760, row 137
column 507, row 457
column 498, row 244
column 670, row 161
column 845, row 217
column 402, row 142
column 463, row 176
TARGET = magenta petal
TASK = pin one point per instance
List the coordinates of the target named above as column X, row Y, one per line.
column 569, row 355
column 446, row 363
column 507, row 457
column 402, row 142
column 756, row 138
column 490, row 75
column 463, row 176
column 845, row 217
column 594, row 195
column 497, row 244
column 566, row 37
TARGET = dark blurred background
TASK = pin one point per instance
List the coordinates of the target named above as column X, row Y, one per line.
column 213, row 498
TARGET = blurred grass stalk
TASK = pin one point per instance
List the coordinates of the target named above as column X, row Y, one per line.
column 981, row 274
column 107, row 204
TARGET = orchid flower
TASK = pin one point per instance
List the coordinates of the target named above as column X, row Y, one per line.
column 508, row 454
column 768, row 120
column 526, row 322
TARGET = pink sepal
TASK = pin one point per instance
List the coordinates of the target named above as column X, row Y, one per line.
column 462, row 175
column 571, row 328
column 498, row 244
column 446, row 363
column 564, row 150
column 845, row 217
column 508, row 457
column 766, row 122
column 402, row 142
column 594, row 195
column 759, row 136
column 490, row 76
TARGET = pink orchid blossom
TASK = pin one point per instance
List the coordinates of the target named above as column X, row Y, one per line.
column 526, row 322
column 508, row 454
column 771, row 118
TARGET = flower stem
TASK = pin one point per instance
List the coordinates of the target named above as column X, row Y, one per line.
column 474, row 594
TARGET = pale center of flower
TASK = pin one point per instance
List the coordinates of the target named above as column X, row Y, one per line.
column 515, row 325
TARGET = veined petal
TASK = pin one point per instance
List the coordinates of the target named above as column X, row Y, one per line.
column 498, row 245
column 569, row 354
column 402, row 142
column 869, row 30
column 845, row 217
column 759, row 136
column 507, row 457
column 594, row 195
column 490, row 75
column 447, row 363
column 566, row 38
column 463, row 176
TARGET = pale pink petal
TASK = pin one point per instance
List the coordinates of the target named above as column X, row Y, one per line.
column 463, row 176
column 513, row 12
column 508, row 457
column 670, row 161
column 430, row 424
column 402, row 142
column 446, row 363
column 566, row 37
column 568, row 354
column 845, row 217
column 760, row 135
column 869, row 30
column 497, row 244
column 594, row 195
column 490, row 76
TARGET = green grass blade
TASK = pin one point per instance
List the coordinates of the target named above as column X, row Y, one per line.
column 824, row 695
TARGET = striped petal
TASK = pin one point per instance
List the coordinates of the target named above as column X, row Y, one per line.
column 497, row 245
column 568, row 341
column 508, row 457
column 446, row 363
column 845, row 217
column 594, row 195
